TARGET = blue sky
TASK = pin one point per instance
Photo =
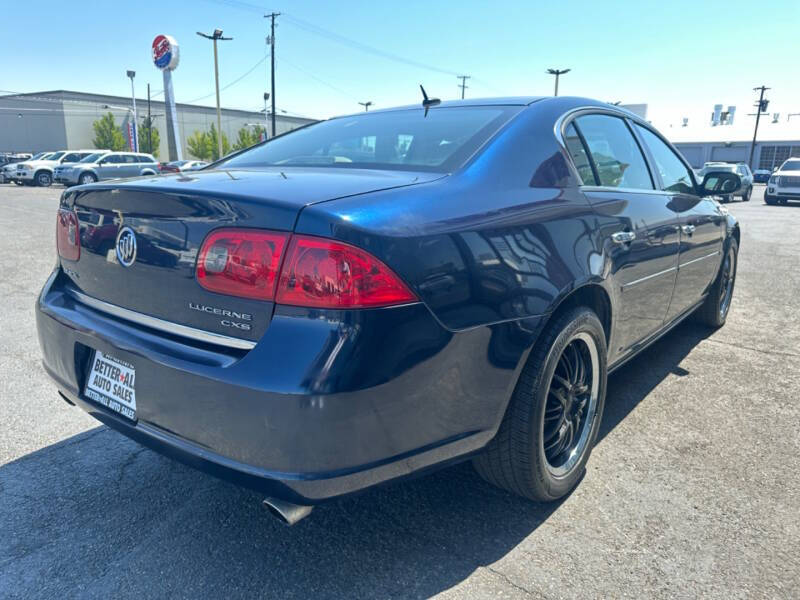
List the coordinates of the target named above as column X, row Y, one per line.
column 679, row 57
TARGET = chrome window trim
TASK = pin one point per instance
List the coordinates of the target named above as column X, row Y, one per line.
column 192, row 333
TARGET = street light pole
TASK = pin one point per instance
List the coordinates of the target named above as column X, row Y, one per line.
column 366, row 105
column 217, row 35
column 557, row 73
column 135, row 140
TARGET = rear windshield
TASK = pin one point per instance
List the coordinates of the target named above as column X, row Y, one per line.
column 791, row 165
column 403, row 139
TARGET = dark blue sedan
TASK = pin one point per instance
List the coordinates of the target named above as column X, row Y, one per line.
column 377, row 295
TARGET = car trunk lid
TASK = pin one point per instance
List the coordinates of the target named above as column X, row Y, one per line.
column 171, row 216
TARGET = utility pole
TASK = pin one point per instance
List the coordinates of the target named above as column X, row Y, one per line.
column 272, row 60
column 557, row 73
column 135, row 136
column 463, row 84
column 217, row 35
column 149, row 123
column 266, row 116
column 760, row 107
column 366, row 105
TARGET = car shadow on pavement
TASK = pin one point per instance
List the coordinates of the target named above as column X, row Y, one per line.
column 99, row 515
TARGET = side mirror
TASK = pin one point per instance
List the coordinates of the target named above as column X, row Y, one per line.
column 720, row 183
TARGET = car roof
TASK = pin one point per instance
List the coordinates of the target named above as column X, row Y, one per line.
column 501, row 101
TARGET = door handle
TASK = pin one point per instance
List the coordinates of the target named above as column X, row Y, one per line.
column 688, row 229
column 623, row 237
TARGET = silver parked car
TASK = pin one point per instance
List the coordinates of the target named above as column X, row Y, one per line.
column 104, row 165
column 741, row 169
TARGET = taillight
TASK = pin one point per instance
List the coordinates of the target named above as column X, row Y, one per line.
column 68, row 238
column 324, row 273
column 316, row 272
column 241, row 262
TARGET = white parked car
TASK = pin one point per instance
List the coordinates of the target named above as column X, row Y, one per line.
column 9, row 170
column 784, row 184
column 40, row 172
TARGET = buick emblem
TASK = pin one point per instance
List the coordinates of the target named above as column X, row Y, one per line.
column 126, row 247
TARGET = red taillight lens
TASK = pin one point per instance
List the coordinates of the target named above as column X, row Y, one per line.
column 324, row 273
column 68, row 236
column 241, row 262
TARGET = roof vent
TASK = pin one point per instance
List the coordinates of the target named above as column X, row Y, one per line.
column 716, row 116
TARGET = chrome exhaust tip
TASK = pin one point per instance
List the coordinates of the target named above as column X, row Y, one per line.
column 286, row 512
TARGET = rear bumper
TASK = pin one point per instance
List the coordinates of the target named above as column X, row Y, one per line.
column 326, row 404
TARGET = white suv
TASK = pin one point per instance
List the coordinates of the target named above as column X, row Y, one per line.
column 40, row 172
column 784, row 184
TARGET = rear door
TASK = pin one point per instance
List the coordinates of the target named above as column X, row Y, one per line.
column 638, row 226
column 702, row 224
column 109, row 166
column 130, row 166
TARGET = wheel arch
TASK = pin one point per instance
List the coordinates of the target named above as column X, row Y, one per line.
column 591, row 295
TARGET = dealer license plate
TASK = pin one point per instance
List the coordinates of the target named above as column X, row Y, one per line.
column 112, row 383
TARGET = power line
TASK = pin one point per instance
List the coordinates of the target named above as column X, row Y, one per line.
column 318, row 79
column 232, row 83
column 310, row 27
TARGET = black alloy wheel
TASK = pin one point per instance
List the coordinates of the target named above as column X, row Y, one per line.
column 551, row 422
column 571, row 405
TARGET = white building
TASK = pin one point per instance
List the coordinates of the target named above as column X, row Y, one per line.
column 778, row 139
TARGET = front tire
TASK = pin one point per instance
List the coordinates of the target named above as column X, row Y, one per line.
column 714, row 311
column 43, row 179
column 86, row 178
column 551, row 423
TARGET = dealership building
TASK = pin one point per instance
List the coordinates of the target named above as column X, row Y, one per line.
column 61, row 119
column 725, row 139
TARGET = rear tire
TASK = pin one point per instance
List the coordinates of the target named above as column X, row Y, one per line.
column 551, row 423
column 714, row 311
column 747, row 194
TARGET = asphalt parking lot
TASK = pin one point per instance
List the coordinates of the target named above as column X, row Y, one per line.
column 693, row 489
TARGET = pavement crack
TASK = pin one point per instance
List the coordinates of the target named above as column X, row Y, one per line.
column 515, row 585
column 127, row 464
column 759, row 350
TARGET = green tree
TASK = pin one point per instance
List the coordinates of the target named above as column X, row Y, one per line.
column 212, row 137
column 248, row 137
column 149, row 139
column 199, row 146
column 107, row 136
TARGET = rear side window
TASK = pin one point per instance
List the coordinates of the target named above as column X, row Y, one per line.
column 617, row 157
column 674, row 174
column 578, row 153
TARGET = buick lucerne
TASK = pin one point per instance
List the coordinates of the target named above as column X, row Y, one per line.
column 374, row 296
